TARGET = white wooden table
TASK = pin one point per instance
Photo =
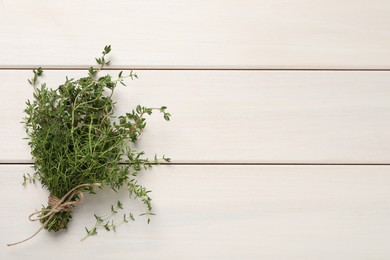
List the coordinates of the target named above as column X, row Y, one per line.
column 280, row 131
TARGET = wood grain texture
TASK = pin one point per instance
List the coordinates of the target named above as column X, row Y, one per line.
column 219, row 212
column 204, row 33
column 225, row 117
column 238, row 116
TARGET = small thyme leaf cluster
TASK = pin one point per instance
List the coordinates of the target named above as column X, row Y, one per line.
column 76, row 139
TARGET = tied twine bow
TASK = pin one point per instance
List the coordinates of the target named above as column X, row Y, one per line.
column 56, row 205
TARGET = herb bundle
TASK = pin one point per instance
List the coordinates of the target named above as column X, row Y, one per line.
column 78, row 144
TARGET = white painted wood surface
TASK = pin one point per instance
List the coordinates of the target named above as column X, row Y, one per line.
column 203, row 33
column 239, row 116
column 228, row 117
column 220, row 212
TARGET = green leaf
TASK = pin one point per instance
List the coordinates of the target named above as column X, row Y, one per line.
column 92, row 72
column 107, row 49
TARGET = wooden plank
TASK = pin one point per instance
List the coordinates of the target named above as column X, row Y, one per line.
column 238, row 116
column 204, row 33
column 219, row 212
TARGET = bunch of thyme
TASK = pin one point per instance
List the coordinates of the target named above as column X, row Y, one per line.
column 75, row 139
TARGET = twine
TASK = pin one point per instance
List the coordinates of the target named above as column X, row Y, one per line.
column 56, row 205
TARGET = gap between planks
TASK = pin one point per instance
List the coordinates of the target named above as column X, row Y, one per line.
column 243, row 164
column 192, row 68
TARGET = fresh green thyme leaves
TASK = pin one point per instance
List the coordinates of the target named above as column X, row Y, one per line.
column 77, row 143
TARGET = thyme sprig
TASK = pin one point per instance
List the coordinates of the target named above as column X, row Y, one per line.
column 76, row 139
column 109, row 225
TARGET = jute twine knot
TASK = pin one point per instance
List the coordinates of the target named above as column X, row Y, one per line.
column 53, row 200
column 66, row 203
